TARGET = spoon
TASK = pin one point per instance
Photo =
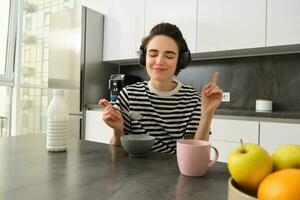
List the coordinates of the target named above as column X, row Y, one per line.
column 133, row 115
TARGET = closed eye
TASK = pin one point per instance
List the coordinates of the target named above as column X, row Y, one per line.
column 152, row 54
column 170, row 56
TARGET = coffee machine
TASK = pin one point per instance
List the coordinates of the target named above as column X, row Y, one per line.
column 118, row 81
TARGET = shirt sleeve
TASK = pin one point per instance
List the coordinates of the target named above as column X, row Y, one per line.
column 123, row 103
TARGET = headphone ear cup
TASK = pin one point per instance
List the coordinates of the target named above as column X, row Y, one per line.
column 142, row 58
column 184, row 60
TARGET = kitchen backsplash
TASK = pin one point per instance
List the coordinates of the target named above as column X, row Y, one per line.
column 275, row 77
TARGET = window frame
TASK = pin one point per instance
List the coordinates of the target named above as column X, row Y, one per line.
column 7, row 79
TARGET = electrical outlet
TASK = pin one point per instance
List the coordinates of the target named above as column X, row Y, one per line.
column 226, row 97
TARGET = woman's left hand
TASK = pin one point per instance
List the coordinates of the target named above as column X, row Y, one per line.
column 211, row 95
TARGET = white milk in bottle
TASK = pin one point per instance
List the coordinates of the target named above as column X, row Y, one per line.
column 57, row 123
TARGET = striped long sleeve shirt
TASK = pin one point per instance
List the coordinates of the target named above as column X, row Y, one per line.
column 167, row 116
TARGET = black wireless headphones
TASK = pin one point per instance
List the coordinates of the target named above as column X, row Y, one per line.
column 173, row 32
column 184, row 59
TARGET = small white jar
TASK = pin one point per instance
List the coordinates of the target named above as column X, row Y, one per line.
column 263, row 105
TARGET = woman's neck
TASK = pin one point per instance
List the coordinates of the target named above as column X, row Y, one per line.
column 164, row 85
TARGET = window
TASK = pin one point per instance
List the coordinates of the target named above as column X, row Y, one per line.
column 28, row 23
column 5, row 105
column 46, row 53
column 7, row 49
column 24, row 94
column 4, row 21
column 34, row 64
column 46, row 18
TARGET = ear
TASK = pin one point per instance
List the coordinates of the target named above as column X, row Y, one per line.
column 184, row 59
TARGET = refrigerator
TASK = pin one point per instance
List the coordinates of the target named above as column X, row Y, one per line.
column 75, row 62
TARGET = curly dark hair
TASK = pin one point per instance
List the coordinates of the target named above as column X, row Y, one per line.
column 173, row 32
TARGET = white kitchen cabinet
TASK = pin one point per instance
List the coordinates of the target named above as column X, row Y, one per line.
column 224, row 148
column 123, row 29
column 181, row 13
column 95, row 128
column 226, row 135
column 274, row 135
column 283, row 22
column 231, row 24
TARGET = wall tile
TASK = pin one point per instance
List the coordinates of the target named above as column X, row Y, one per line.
column 275, row 77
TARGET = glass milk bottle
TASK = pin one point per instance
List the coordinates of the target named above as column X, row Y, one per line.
column 57, row 123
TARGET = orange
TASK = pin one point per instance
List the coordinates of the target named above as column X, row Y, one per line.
column 281, row 185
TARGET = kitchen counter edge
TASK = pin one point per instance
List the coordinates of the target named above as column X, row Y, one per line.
column 243, row 114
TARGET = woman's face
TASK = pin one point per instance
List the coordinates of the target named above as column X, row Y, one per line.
column 161, row 58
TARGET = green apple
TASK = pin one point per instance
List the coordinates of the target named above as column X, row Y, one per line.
column 286, row 156
column 248, row 165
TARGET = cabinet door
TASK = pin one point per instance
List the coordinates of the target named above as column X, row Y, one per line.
column 123, row 29
column 283, row 22
column 95, row 128
column 224, row 148
column 181, row 13
column 226, row 135
column 230, row 24
column 274, row 135
column 234, row 130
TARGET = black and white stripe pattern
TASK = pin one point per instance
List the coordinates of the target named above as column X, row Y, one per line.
column 167, row 116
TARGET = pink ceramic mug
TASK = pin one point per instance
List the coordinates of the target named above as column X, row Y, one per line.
column 193, row 156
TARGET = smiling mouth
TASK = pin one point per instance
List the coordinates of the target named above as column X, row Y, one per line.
column 159, row 69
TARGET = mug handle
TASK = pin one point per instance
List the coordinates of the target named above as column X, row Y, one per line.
column 215, row 158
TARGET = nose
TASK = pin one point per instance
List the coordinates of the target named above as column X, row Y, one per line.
column 159, row 60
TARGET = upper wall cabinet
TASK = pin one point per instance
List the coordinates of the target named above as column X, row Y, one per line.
column 230, row 24
column 181, row 13
column 212, row 28
column 283, row 22
column 123, row 29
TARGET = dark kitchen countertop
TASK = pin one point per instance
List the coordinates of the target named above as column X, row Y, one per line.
column 252, row 113
column 90, row 170
column 243, row 112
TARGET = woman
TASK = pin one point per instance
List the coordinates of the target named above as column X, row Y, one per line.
column 170, row 109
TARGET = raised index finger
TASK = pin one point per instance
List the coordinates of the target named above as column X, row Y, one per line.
column 215, row 77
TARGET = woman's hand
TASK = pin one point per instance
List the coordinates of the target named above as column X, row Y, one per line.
column 211, row 96
column 111, row 116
